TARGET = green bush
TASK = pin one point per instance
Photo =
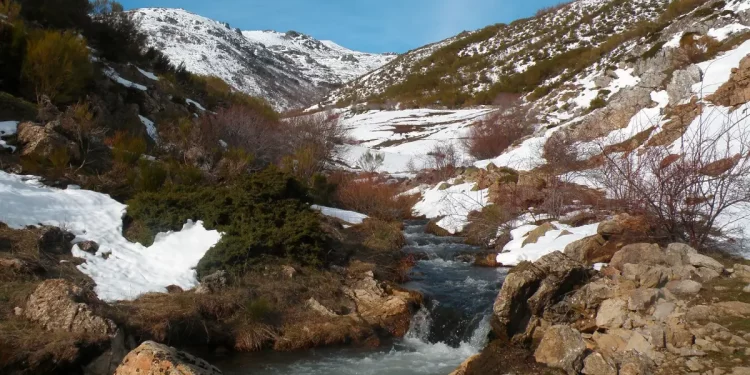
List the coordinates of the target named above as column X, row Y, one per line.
column 263, row 214
column 152, row 176
column 12, row 108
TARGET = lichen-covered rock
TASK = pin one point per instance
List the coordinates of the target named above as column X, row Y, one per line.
column 58, row 305
column 562, row 347
column 387, row 308
column 213, row 282
column 597, row 364
column 530, row 289
column 589, row 250
column 42, row 142
column 151, row 358
column 612, row 313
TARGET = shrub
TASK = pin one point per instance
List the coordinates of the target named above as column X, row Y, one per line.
column 59, row 14
column 375, row 198
column 12, row 108
column 151, row 176
column 382, row 235
column 259, row 215
column 126, row 149
column 117, row 37
column 370, row 161
column 56, row 65
column 598, row 102
column 313, row 139
column 486, row 226
column 491, row 136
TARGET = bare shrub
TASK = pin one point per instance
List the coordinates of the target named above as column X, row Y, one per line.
column 490, row 136
column 370, row 161
column 691, row 190
column 376, row 198
column 443, row 159
column 312, row 140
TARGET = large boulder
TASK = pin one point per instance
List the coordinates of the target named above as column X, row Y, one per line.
column 562, row 347
column 212, row 283
column 54, row 240
column 58, row 305
column 380, row 305
column 531, row 288
column 589, row 250
column 43, row 142
column 152, row 358
column 639, row 253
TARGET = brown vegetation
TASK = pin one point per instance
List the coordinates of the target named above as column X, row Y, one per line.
column 375, row 197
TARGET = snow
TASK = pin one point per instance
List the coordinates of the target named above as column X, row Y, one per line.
column 452, row 204
column 131, row 269
column 392, row 162
column 150, row 128
column 196, row 104
column 148, row 75
column 727, row 31
column 524, row 157
column 109, row 72
column 7, row 128
column 350, row 217
column 515, row 252
column 717, row 71
column 674, row 42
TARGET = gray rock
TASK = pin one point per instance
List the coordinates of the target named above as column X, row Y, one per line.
column 213, row 282
column 612, row 314
column 655, row 277
column 699, row 260
column 684, row 287
column 680, row 87
column 643, row 299
column 90, row 247
column 663, row 310
column 597, row 364
column 634, row 271
column 562, row 347
column 640, row 253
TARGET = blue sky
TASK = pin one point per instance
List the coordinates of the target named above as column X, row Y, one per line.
column 365, row 25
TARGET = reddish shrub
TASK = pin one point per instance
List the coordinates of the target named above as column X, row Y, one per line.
column 375, row 198
column 491, row 136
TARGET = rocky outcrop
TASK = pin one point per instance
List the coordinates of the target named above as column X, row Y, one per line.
column 650, row 311
column 43, row 142
column 58, row 305
column 530, row 290
column 212, row 283
column 151, row 358
column 611, row 236
column 381, row 305
column 680, row 87
column 736, row 90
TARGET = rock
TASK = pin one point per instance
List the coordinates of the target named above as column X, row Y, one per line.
column 589, row 250
column 663, row 310
column 643, row 299
column 596, row 364
column 655, row 277
column 389, row 309
column 640, row 253
column 54, row 240
column 679, row 336
column 706, row 274
column 18, row 311
column 684, row 287
column 602, row 81
column 609, row 343
column 313, row 304
column 741, row 371
column 640, row 344
column 464, row 366
column 634, row 271
column 677, row 254
column 174, row 289
column 42, row 142
column 288, row 271
column 591, row 295
column 612, row 314
column 561, row 347
column 212, row 283
column 742, row 271
column 90, row 247
column 736, row 90
column 746, row 289
column 610, row 228
column 529, row 289
column 680, row 87
column 486, row 260
column 58, row 305
column 107, row 362
column 538, row 232
column 699, row 260
column 151, row 358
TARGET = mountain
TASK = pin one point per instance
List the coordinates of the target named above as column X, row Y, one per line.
column 519, row 57
column 287, row 69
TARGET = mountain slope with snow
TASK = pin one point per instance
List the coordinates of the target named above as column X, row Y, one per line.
column 287, row 69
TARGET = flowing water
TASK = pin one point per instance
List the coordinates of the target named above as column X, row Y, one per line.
column 452, row 325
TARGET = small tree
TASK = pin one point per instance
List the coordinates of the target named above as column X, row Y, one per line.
column 443, row 159
column 370, row 161
column 490, row 136
column 56, row 65
column 689, row 189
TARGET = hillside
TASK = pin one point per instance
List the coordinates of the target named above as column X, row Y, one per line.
column 287, row 69
column 519, row 57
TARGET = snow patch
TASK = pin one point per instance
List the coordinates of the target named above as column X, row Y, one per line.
column 148, row 75
column 7, row 128
column 109, row 72
column 150, row 128
column 130, row 269
column 350, row 217
column 453, row 203
column 515, row 251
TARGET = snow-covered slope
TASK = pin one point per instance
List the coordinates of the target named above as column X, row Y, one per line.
column 321, row 61
column 289, row 70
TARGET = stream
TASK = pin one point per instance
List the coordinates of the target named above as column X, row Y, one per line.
column 451, row 326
